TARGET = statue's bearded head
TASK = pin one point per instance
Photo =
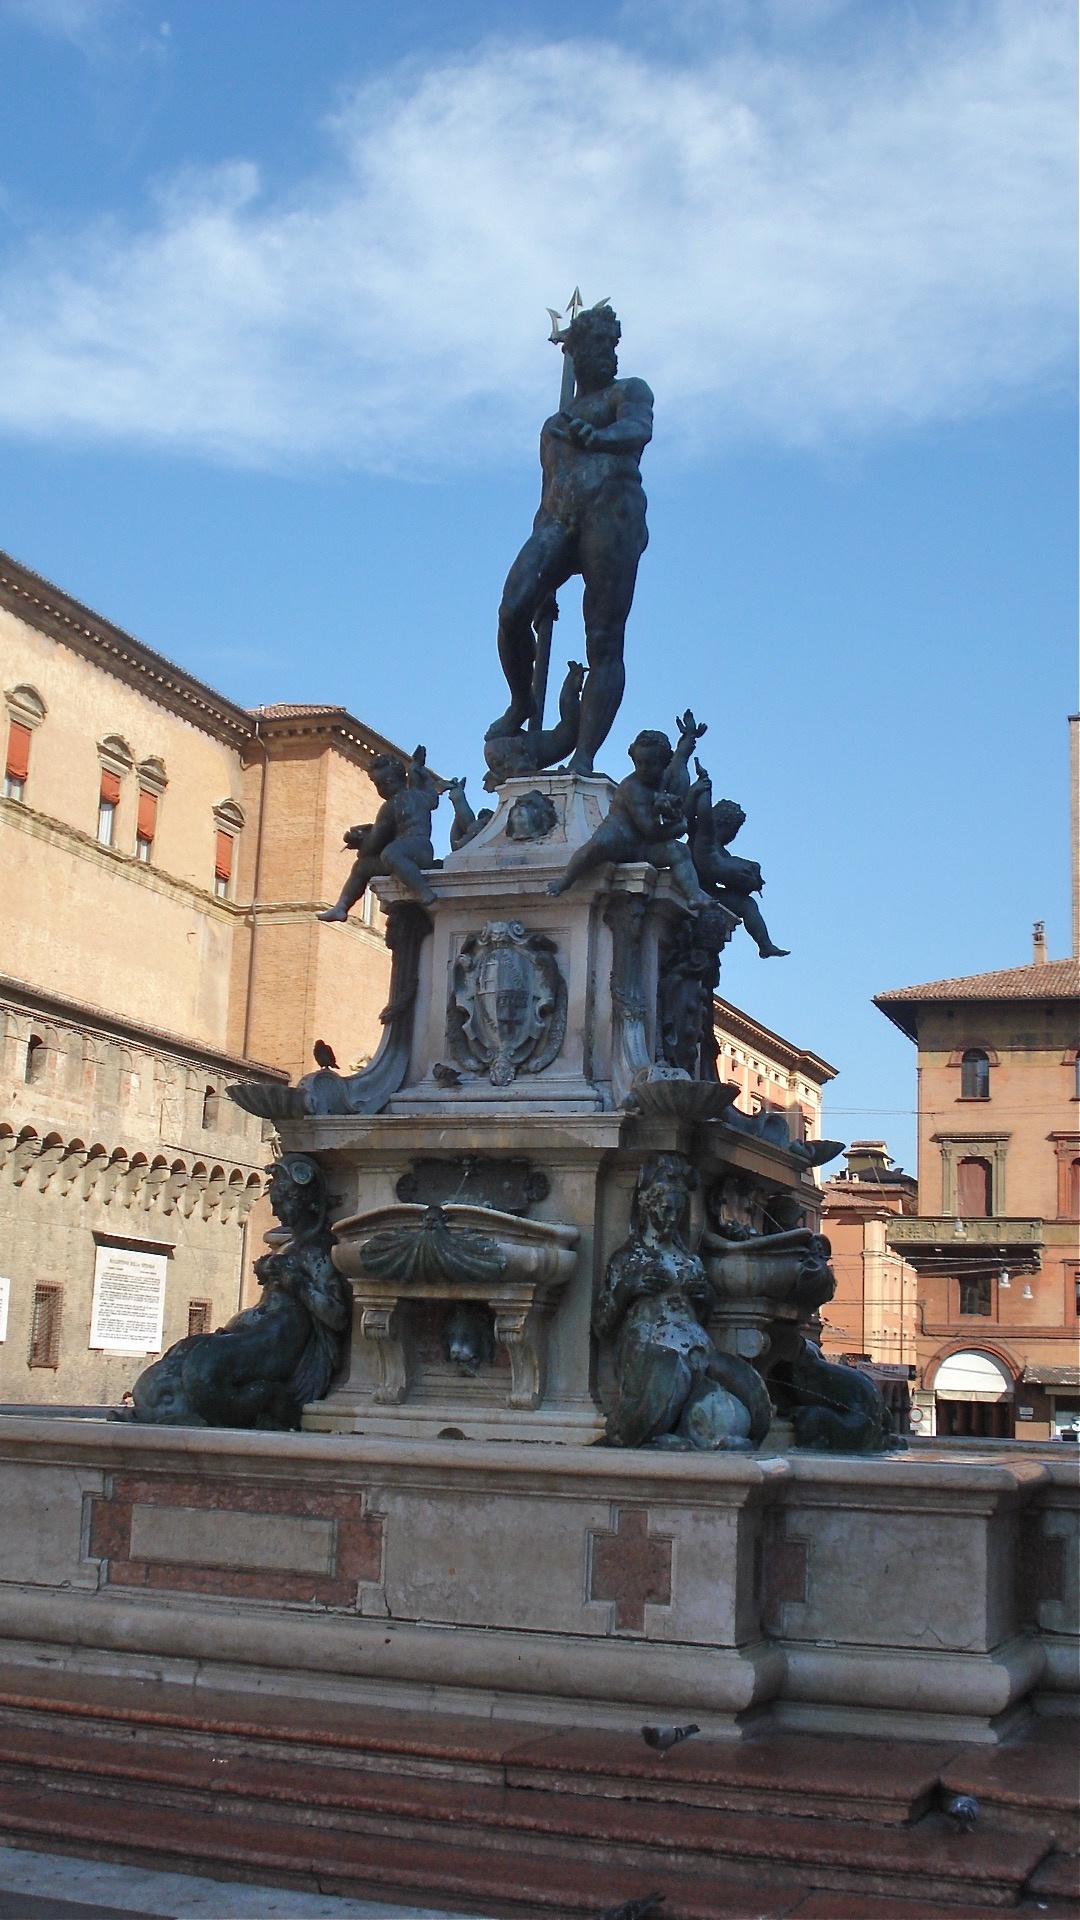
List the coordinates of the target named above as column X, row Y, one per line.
column 594, row 336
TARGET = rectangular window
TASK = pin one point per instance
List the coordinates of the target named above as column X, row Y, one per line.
column 976, row 1295
column 223, row 863
column 146, row 824
column 17, row 766
column 198, row 1317
column 45, row 1327
column 108, row 801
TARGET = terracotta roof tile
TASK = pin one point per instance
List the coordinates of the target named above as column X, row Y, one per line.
column 1045, row 980
column 1049, row 980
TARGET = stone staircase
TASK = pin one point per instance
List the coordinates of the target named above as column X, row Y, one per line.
column 518, row 1820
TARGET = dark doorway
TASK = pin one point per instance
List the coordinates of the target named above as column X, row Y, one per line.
column 975, row 1419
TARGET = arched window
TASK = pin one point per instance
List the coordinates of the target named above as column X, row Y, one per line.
column 37, row 1057
column 210, row 1107
column 228, row 824
column 1074, row 1190
column 974, row 1189
column 114, row 756
column 975, row 1075
column 25, row 710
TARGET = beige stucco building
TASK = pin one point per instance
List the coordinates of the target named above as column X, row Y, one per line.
column 163, row 854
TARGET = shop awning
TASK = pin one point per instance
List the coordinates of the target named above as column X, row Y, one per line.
column 973, row 1376
column 1066, row 1378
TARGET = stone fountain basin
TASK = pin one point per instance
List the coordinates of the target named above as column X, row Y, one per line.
column 521, row 1287
column 538, row 1254
column 745, row 1271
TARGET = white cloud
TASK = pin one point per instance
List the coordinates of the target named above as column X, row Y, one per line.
column 79, row 21
column 797, row 247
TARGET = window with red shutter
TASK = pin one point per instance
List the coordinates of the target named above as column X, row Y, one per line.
column 18, row 760
column 223, row 861
column 145, row 824
column 110, row 787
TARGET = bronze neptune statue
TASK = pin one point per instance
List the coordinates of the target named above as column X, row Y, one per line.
column 591, row 521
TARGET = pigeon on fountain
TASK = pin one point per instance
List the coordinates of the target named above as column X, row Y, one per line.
column 662, row 1739
column 962, row 1809
column 644, row 1909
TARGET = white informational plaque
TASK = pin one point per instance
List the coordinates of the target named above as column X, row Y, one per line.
column 5, row 1296
column 129, row 1300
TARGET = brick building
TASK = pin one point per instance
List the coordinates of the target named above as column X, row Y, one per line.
column 872, row 1313
column 163, row 854
column 995, row 1241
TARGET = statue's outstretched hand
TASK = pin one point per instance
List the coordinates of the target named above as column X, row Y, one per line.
column 687, row 725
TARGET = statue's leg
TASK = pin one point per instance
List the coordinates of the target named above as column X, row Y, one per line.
column 546, row 560
column 754, row 921
column 612, row 540
column 403, row 857
column 611, row 841
column 363, row 869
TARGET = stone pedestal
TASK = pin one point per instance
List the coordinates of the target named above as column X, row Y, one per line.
column 532, row 1017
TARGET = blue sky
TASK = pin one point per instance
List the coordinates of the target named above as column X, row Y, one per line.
column 273, row 279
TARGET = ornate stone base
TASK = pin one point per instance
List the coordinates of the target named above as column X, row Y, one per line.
column 926, row 1594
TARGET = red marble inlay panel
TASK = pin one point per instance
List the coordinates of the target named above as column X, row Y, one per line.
column 358, row 1539
column 630, row 1567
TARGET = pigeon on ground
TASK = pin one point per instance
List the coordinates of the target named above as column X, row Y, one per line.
column 445, row 1076
column 644, row 1909
column 324, row 1054
column 962, row 1809
column 662, row 1739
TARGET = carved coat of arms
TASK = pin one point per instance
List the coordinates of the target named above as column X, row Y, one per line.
column 507, row 1012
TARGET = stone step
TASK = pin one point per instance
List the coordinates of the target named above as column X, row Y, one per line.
column 370, row 1866
column 930, row 1860
column 889, row 1783
column 1033, row 1782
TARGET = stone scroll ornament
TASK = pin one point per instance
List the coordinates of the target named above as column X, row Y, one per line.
column 673, row 1387
column 271, row 1360
column 507, row 1011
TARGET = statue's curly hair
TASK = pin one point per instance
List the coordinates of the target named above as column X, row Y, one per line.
column 728, row 817
column 593, row 322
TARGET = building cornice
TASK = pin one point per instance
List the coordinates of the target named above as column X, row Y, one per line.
column 66, row 619
column 751, row 1033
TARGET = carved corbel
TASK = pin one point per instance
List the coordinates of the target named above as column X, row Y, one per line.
column 111, row 1174
column 90, row 1173
column 522, row 1330
column 25, row 1152
column 211, row 1194
column 172, row 1189
column 153, row 1186
column 71, row 1166
column 47, row 1162
column 382, row 1326
column 129, row 1183
column 246, row 1197
column 7, row 1146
